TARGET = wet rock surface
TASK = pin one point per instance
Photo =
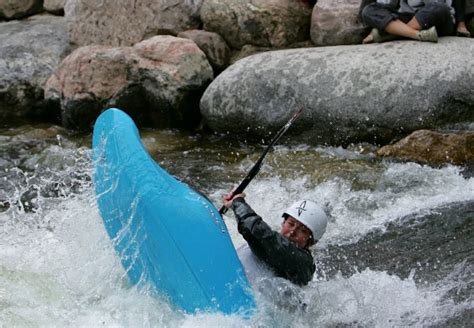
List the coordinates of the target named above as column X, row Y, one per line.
column 433, row 148
column 30, row 51
column 350, row 94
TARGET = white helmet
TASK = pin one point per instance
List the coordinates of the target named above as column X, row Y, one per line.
column 311, row 215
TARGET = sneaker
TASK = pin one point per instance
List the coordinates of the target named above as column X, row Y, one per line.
column 429, row 35
column 380, row 36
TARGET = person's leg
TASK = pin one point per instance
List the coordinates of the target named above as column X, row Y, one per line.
column 460, row 15
column 411, row 28
column 459, row 9
column 407, row 30
column 438, row 15
column 376, row 16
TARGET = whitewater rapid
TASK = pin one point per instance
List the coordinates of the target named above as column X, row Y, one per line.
column 58, row 267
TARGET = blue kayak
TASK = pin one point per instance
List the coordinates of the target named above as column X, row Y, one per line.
column 168, row 236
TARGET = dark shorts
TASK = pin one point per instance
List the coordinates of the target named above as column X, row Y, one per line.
column 433, row 14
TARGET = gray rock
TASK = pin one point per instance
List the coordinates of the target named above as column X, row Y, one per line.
column 350, row 93
column 246, row 51
column 469, row 7
column 433, row 147
column 263, row 23
column 19, row 8
column 54, row 6
column 125, row 22
column 213, row 45
column 335, row 23
column 249, row 50
column 30, row 51
column 158, row 81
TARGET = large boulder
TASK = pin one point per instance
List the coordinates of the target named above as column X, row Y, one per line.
column 158, row 81
column 30, row 51
column 433, row 147
column 265, row 23
column 353, row 93
column 14, row 9
column 124, row 22
column 470, row 7
column 335, row 23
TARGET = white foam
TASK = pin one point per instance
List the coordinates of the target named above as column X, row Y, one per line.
column 58, row 267
column 377, row 299
column 400, row 190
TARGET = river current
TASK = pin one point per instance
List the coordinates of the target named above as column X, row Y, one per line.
column 398, row 251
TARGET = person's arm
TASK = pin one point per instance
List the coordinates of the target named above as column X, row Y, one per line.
column 285, row 258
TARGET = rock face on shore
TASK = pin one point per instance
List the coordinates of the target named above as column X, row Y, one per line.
column 19, row 8
column 335, row 23
column 433, row 148
column 264, row 23
column 213, row 45
column 54, row 6
column 125, row 22
column 30, row 51
column 158, row 81
column 368, row 93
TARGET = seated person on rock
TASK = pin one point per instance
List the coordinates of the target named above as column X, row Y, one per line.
column 422, row 20
column 285, row 254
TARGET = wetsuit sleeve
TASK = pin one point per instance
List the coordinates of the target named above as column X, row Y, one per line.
column 285, row 258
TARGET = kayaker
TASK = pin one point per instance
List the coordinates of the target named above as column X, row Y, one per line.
column 285, row 254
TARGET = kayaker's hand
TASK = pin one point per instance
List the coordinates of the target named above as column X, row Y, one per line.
column 228, row 199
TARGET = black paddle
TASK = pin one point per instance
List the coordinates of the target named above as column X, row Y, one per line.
column 254, row 170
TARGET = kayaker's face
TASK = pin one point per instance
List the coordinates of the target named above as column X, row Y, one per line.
column 296, row 232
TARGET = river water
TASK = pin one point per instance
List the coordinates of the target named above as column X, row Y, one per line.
column 398, row 249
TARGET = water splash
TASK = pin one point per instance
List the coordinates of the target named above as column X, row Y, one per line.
column 58, row 267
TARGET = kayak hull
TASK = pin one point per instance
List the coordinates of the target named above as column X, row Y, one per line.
column 168, row 236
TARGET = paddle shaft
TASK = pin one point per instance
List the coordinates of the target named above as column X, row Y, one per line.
column 256, row 167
